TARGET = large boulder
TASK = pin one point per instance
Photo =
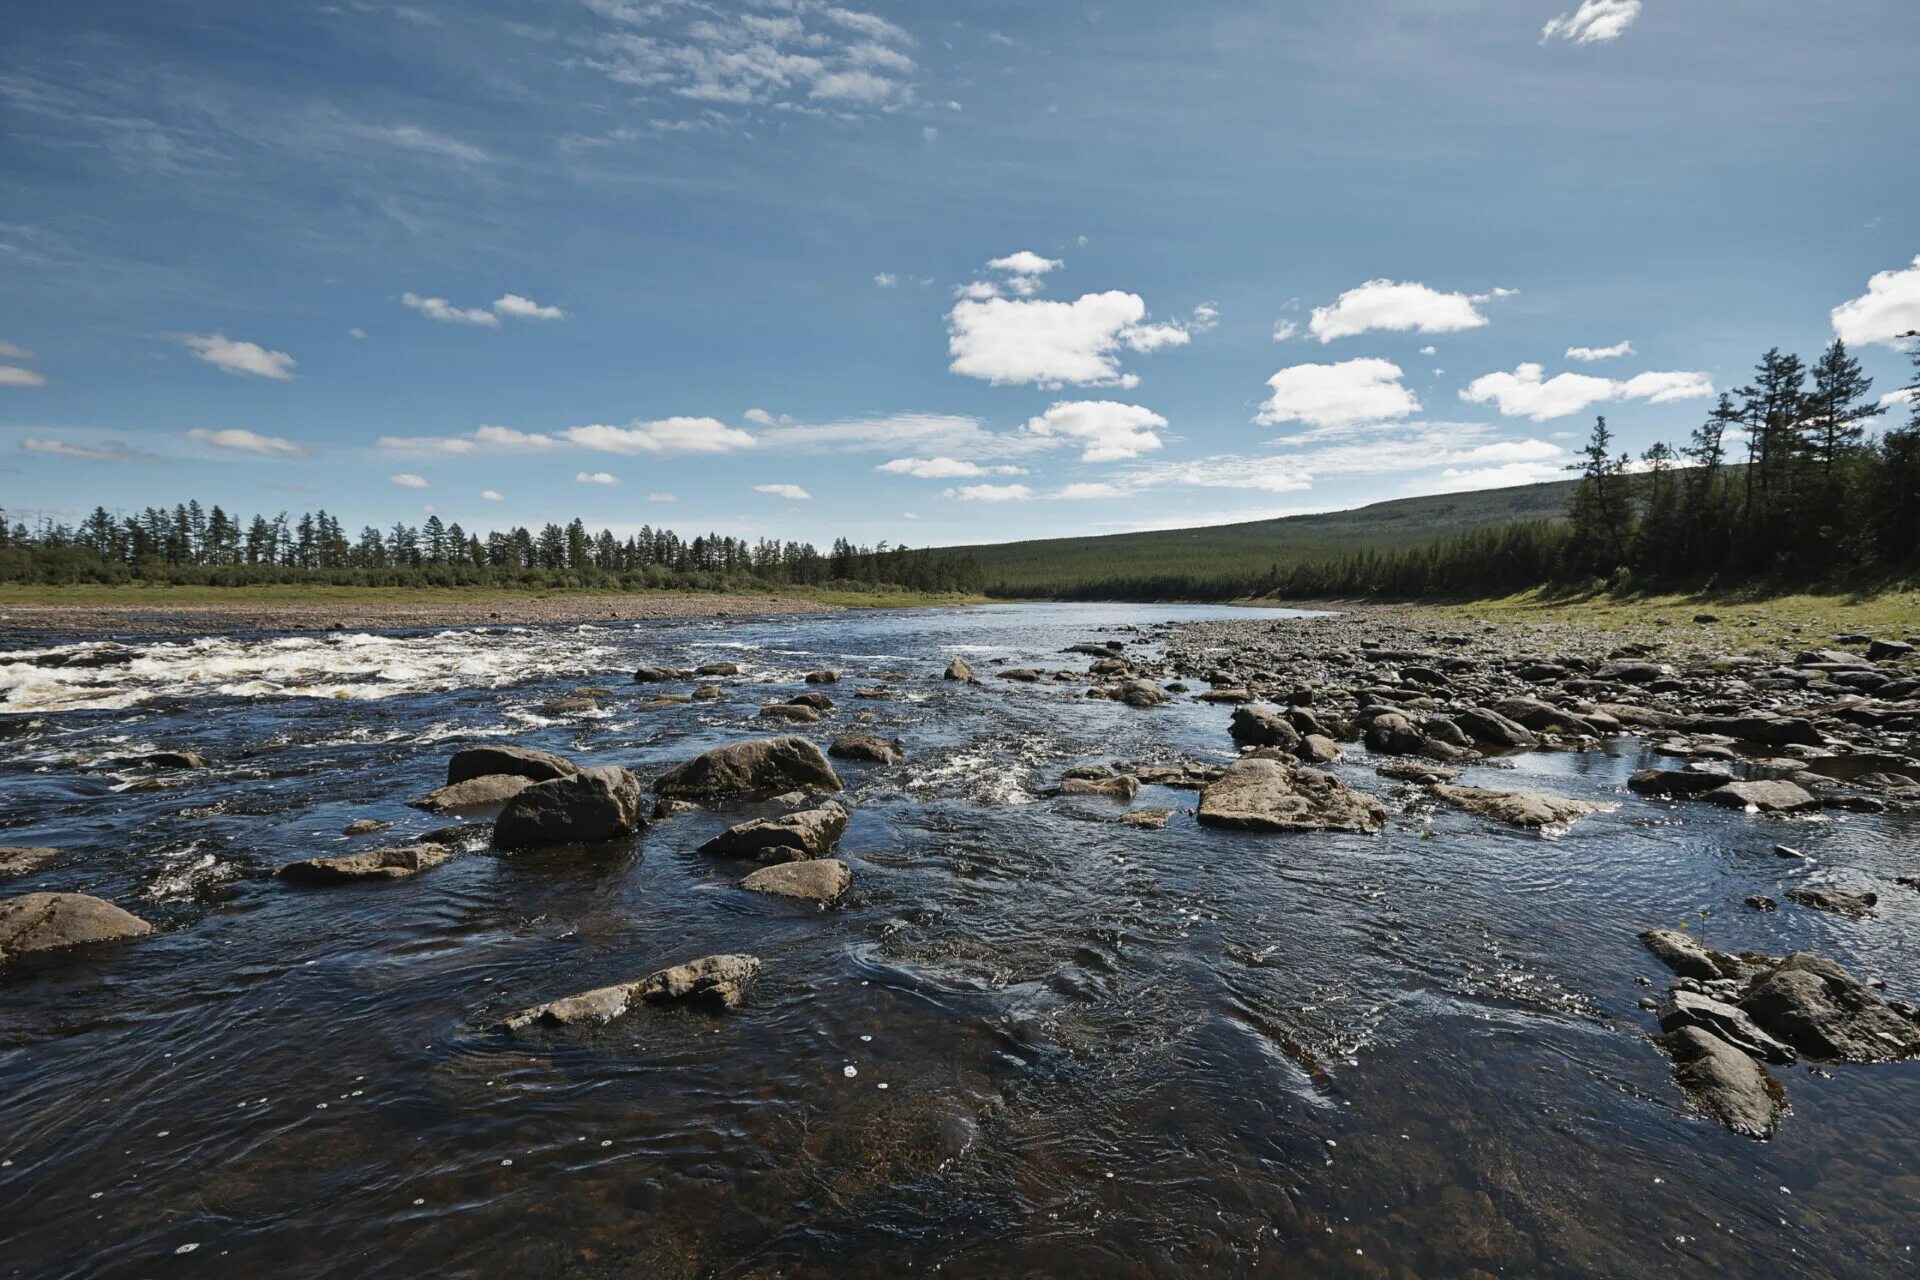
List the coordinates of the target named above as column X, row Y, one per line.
column 488, row 792
column 1543, row 717
column 395, row 863
column 1765, row 795
column 791, row 837
column 1393, row 734
column 1266, row 795
column 593, row 805
column 1825, row 1012
column 1531, row 809
column 820, row 880
column 1726, row 1083
column 1729, row 1022
column 519, row 762
column 1263, row 727
column 718, row 980
column 762, row 767
column 50, row 921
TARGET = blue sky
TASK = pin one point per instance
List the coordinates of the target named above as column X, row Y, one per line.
column 933, row 274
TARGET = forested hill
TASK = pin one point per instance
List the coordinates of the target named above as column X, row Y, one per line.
column 1229, row 560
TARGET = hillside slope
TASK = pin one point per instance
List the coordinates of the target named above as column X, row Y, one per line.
column 1230, row 553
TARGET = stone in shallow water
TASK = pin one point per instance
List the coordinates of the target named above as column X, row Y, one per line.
column 819, row 880
column 1727, row 1021
column 1726, row 1083
column 791, row 837
column 1120, row 787
column 1837, row 901
column 474, row 793
column 51, row 921
column 720, row 980
column 789, row 712
column 592, row 806
column 763, row 766
column 1147, row 819
column 395, row 863
column 866, row 746
column 1266, row 795
column 522, row 762
column 17, row 860
column 1825, row 1012
column 1530, row 809
column 1770, row 795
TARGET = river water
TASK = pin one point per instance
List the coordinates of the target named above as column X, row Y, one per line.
column 1032, row 1041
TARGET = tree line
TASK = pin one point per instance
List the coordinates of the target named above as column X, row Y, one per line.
column 197, row 545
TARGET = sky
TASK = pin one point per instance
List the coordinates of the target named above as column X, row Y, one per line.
column 933, row 274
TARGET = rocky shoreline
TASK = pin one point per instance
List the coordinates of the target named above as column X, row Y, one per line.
column 420, row 611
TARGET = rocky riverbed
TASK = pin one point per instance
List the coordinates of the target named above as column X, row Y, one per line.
column 1034, row 939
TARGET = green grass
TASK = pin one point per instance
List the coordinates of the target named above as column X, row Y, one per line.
column 1244, row 551
column 1808, row 617
column 141, row 595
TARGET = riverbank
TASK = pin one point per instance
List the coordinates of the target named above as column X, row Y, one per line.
column 145, row 610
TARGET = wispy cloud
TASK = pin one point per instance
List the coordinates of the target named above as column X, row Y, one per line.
column 240, row 440
column 248, row 359
column 108, row 451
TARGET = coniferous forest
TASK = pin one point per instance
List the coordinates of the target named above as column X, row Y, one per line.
column 192, row 544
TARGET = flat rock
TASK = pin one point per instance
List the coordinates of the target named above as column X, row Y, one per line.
column 51, row 921
column 1727, row 1021
column 719, row 980
column 819, row 880
column 1414, row 771
column 1838, row 901
column 1119, row 787
column 17, row 859
column 1768, row 731
column 520, row 762
column 1676, row 782
column 1690, row 958
column 660, row 675
column 1726, row 1083
column 365, row 826
column 1147, row 819
column 589, row 807
column 394, row 863
column 791, row 837
column 1763, row 795
column 717, row 669
column 1825, row 1012
column 475, row 793
column 764, row 766
column 789, row 712
column 1267, row 795
column 867, row 746
column 1530, row 809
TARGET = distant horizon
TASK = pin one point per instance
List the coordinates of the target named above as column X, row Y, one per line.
column 950, row 279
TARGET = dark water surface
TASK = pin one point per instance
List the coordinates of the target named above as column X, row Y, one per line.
column 1032, row 1041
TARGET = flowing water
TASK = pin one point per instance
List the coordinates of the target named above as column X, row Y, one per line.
column 1032, row 1041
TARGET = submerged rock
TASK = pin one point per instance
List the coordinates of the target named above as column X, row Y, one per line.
column 394, row 863
column 819, row 880
column 1837, row 901
column 365, row 826
column 867, row 746
column 1147, row 819
column 521, row 762
column 720, row 980
column 1726, row 1083
column 474, row 793
column 17, row 860
column 592, row 806
column 765, row 766
column 165, row 760
column 1531, row 809
column 51, row 921
column 791, row 837
column 1266, row 795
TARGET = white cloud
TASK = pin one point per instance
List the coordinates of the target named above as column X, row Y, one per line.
column 596, row 477
column 240, row 440
column 1051, row 344
column 414, row 138
column 12, row 376
column 445, row 312
column 483, row 439
column 1284, row 329
column 1503, row 476
column 1334, row 395
column 792, row 492
column 1107, row 430
column 408, row 480
column 1888, row 309
column 1591, row 354
column 886, row 279
column 1428, row 350
column 668, row 435
column 10, row 352
column 1025, row 263
column 493, row 495
column 245, row 358
column 1398, row 308
column 111, row 451
column 661, row 497
column 1905, row 395
column 356, row 333
column 1526, row 393
column 759, row 417
column 1086, row 491
column 515, row 307
column 942, row 434
column 1594, row 22
column 991, row 493
column 942, row 468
